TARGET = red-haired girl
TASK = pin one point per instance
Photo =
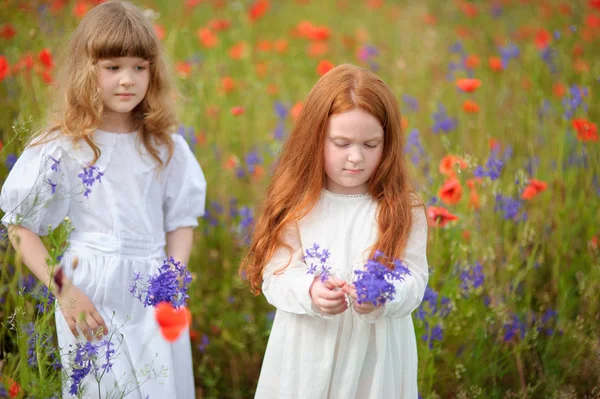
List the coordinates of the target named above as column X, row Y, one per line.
column 341, row 183
column 109, row 161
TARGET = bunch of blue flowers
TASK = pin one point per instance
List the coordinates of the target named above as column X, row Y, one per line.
column 170, row 284
column 375, row 284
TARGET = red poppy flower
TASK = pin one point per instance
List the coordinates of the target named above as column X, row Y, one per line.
column 318, row 49
column 472, row 61
column 237, row 51
column 80, row 9
column 474, row 201
column 470, row 107
column 594, row 4
column 439, row 217
column 281, row 45
column 237, row 111
column 542, row 39
column 324, row 67
column 586, row 130
column 172, row 322
column 207, row 37
column 468, row 85
column 451, row 191
column 495, row 64
column 533, row 188
column 559, row 89
column 183, row 68
column 258, row 9
column 4, row 68
column 228, row 84
column 45, row 58
column 7, row 31
column 160, row 31
column 449, row 163
column 219, row 24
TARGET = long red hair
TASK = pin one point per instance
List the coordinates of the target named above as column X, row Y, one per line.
column 299, row 176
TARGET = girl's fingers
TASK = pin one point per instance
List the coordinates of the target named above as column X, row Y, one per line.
column 100, row 321
column 85, row 329
column 331, row 295
column 72, row 326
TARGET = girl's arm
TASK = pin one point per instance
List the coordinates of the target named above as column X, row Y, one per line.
column 33, row 253
column 179, row 244
column 289, row 289
column 410, row 292
column 76, row 307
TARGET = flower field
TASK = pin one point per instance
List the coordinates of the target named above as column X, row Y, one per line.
column 500, row 109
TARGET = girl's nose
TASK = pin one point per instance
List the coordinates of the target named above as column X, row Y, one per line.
column 127, row 80
column 355, row 155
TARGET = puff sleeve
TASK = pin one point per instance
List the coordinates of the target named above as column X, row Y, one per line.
column 185, row 188
column 410, row 292
column 288, row 289
column 35, row 194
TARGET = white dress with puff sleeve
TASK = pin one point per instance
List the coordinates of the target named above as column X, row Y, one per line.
column 120, row 210
column 311, row 355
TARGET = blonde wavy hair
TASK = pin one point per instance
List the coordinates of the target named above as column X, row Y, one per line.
column 110, row 30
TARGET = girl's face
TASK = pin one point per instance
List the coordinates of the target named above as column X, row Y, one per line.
column 124, row 83
column 353, row 148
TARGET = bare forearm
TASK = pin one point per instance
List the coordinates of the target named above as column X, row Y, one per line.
column 179, row 244
column 32, row 252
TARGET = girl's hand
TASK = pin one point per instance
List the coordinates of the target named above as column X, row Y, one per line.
column 363, row 308
column 80, row 312
column 325, row 296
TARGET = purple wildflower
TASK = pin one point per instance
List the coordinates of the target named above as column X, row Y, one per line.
column 515, row 327
column 471, row 278
column 492, row 169
column 53, row 185
column 280, row 109
column 574, row 100
column 318, row 265
column 507, row 53
column 84, row 362
column 170, row 284
column 511, row 208
column 55, row 164
column 412, row 103
column 375, row 284
column 414, row 147
column 442, row 122
column 432, row 334
column 88, row 177
column 11, row 160
column 203, row 343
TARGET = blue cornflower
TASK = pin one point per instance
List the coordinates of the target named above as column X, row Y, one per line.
column 253, row 159
column 412, row 103
column 493, row 167
column 170, row 284
column 511, row 208
column 375, row 284
column 574, row 100
column 442, row 122
column 204, row 341
column 471, row 278
column 432, row 334
column 279, row 132
column 414, row 147
column 507, row 53
column 549, row 55
column 515, row 327
column 11, row 160
column 280, row 109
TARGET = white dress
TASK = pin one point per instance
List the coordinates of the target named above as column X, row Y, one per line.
column 312, row 355
column 119, row 229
